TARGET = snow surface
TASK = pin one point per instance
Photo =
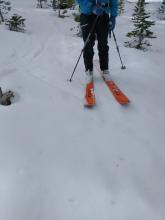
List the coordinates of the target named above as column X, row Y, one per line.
column 61, row 161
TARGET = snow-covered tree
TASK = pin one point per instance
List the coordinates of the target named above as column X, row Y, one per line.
column 121, row 7
column 41, row 3
column 65, row 3
column 5, row 7
column 142, row 26
column 161, row 11
column 16, row 23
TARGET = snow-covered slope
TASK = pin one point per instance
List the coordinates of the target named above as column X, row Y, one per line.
column 61, row 161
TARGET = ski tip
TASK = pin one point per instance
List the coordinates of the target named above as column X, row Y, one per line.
column 125, row 103
column 87, row 105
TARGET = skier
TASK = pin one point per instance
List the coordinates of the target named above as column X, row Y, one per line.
column 90, row 10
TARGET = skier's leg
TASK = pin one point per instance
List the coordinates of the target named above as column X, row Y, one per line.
column 86, row 22
column 102, row 37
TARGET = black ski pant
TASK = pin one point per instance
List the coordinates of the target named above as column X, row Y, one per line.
column 101, row 33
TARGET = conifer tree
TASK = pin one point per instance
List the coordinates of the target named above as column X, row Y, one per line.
column 121, row 7
column 63, row 4
column 16, row 23
column 41, row 2
column 161, row 11
column 5, row 6
column 141, row 27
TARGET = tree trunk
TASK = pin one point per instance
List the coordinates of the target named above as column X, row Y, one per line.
column 140, row 40
column 59, row 13
column 40, row 3
column 1, row 15
column 54, row 4
column 1, row 92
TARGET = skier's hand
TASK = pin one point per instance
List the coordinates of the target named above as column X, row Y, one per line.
column 97, row 10
column 112, row 23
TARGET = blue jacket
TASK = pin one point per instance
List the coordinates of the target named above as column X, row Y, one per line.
column 86, row 6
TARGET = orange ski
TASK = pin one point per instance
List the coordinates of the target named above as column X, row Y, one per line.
column 90, row 100
column 117, row 93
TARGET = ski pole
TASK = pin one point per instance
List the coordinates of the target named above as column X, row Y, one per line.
column 86, row 41
column 117, row 47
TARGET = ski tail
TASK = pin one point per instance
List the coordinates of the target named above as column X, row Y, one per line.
column 90, row 99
